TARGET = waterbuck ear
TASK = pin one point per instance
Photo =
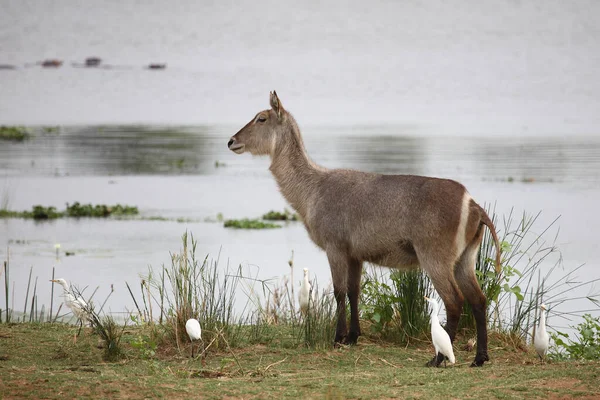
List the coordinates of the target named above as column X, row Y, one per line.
column 276, row 104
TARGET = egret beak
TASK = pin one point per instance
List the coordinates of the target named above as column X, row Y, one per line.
column 426, row 298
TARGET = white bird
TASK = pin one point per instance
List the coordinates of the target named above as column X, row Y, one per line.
column 192, row 327
column 304, row 295
column 439, row 336
column 76, row 303
column 541, row 341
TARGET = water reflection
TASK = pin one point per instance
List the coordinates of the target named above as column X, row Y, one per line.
column 111, row 150
column 201, row 150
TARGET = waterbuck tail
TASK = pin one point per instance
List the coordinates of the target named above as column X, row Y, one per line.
column 485, row 219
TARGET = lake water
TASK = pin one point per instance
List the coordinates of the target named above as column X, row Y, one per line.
column 172, row 173
column 502, row 96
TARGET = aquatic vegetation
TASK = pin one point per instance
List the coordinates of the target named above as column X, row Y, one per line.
column 51, row 130
column 100, row 210
column 286, row 215
column 75, row 210
column 16, row 133
column 249, row 224
column 41, row 212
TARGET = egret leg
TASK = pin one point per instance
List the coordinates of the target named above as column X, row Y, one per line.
column 80, row 326
column 436, row 360
column 192, row 349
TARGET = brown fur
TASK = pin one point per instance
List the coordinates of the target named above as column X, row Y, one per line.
column 398, row 221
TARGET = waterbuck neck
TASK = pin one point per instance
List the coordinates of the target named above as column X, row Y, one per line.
column 295, row 173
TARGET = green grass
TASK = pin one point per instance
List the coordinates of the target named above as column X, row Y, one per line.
column 15, row 133
column 41, row 361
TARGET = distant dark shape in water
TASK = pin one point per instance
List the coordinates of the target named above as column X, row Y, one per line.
column 7, row 66
column 53, row 63
column 93, row 61
column 157, row 66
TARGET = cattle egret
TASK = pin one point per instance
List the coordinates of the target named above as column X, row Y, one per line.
column 541, row 341
column 439, row 336
column 74, row 302
column 304, row 295
column 192, row 327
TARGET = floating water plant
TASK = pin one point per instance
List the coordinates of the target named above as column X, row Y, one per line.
column 100, row 210
column 16, row 133
column 286, row 215
column 249, row 224
column 76, row 210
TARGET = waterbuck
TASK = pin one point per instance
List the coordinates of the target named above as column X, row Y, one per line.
column 397, row 221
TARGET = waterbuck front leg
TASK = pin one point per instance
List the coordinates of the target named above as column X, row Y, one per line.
column 340, row 268
column 354, row 275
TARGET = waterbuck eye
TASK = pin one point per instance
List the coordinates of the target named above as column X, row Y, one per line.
column 261, row 119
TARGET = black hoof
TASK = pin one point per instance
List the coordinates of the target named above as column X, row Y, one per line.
column 479, row 360
column 352, row 338
column 339, row 339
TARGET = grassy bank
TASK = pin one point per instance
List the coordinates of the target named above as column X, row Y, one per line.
column 41, row 361
column 257, row 344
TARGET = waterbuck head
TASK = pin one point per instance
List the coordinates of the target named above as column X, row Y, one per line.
column 260, row 135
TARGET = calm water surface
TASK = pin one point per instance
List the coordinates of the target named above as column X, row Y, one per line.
column 171, row 172
column 502, row 96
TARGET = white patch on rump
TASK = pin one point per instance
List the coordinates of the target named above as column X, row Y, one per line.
column 461, row 241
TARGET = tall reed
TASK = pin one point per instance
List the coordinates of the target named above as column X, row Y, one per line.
column 194, row 288
column 394, row 304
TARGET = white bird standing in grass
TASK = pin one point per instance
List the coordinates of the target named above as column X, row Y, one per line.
column 75, row 302
column 304, row 295
column 541, row 341
column 439, row 336
column 192, row 327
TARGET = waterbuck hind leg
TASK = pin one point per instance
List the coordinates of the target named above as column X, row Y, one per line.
column 339, row 273
column 443, row 281
column 464, row 273
column 354, row 275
